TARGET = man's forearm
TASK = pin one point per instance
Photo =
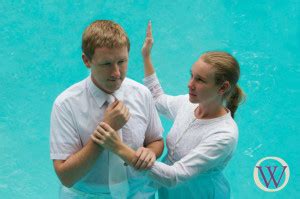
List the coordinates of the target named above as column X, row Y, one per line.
column 126, row 153
column 157, row 147
column 77, row 165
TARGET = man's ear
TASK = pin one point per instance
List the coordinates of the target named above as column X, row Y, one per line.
column 224, row 88
column 85, row 60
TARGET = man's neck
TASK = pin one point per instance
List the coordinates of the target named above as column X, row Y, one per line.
column 98, row 86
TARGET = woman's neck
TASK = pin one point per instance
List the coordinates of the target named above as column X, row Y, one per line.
column 209, row 111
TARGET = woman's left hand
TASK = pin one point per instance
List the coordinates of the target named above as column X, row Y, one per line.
column 148, row 43
column 106, row 137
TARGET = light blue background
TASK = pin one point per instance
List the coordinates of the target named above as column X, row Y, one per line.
column 40, row 56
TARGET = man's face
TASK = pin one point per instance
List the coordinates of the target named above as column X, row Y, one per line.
column 108, row 67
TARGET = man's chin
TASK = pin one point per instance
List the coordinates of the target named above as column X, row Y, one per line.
column 112, row 89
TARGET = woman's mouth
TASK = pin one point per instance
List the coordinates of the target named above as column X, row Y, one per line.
column 191, row 94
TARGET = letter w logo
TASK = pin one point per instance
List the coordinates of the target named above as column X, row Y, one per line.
column 267, row 183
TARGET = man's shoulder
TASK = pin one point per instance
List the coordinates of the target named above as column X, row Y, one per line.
column 134, row 85
column 71, row 93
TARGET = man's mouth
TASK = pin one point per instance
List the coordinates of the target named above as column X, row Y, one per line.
column 113, row 80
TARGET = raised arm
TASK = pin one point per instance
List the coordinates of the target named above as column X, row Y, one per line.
column 146, row 51
column 166, row 105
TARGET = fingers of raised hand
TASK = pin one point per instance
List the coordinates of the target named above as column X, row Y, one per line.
column 149, row 29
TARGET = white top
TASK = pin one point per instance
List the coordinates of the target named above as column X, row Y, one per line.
column 198, row 149
column 75, row 115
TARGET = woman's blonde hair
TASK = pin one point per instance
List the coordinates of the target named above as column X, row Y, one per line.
column 226, row 69
column 103, row 33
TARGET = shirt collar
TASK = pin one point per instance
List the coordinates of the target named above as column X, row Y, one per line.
column 100, row 96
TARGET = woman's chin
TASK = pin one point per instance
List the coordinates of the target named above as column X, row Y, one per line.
column 193, row 100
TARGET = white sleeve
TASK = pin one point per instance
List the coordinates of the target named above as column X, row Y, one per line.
column 166, row 105
column 154, row 128
column 64, row 140
column 206, row 156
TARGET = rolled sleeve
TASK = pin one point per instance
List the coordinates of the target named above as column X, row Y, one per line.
column 64, row 140
column 154, row 129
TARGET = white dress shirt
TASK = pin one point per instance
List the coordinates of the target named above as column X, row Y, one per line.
column 198, row 149
column 75, row 115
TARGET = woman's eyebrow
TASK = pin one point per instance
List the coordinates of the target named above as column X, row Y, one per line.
column 197, row 75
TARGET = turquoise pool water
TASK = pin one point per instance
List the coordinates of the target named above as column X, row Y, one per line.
column 40, row 56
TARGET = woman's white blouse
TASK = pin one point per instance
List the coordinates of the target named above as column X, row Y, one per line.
column 196, row 147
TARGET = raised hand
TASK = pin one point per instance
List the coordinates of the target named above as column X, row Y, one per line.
column 148, row 43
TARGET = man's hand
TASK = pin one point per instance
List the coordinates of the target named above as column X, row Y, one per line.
column 116, row 115
column 106, row 137
column 145, row 159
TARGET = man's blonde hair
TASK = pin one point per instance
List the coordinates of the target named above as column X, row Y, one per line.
column 103, row 33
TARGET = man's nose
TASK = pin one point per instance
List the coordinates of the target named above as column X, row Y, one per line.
column 116, row 71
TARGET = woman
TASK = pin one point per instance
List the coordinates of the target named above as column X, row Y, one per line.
column 204, row 135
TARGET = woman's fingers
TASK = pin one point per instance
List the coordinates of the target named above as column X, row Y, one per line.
column 151, row 162
column 149, row 30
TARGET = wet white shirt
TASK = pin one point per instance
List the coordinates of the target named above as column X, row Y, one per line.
column 198, row 149
column 75, row 115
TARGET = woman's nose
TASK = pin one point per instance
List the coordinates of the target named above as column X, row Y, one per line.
column 191, row 84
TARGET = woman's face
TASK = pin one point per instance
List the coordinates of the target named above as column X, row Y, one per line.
column 202, row 87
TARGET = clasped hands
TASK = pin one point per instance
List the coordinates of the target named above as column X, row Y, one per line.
column 106, row 136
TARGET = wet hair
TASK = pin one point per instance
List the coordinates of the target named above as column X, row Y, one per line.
column 226, row 69
column 103, row 33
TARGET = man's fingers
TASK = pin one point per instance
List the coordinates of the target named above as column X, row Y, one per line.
column 127, row 114
column 114, row 104
column 101, row 130
column 123, row 109
column 99, row 135
column 106, row 128
column 97, row 141
column 118, row 106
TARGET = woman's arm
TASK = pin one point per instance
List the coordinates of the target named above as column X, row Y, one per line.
column 146, row 51
column 165, row 104
column 208, row 155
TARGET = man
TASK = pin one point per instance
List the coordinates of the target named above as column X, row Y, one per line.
column 84, row 167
